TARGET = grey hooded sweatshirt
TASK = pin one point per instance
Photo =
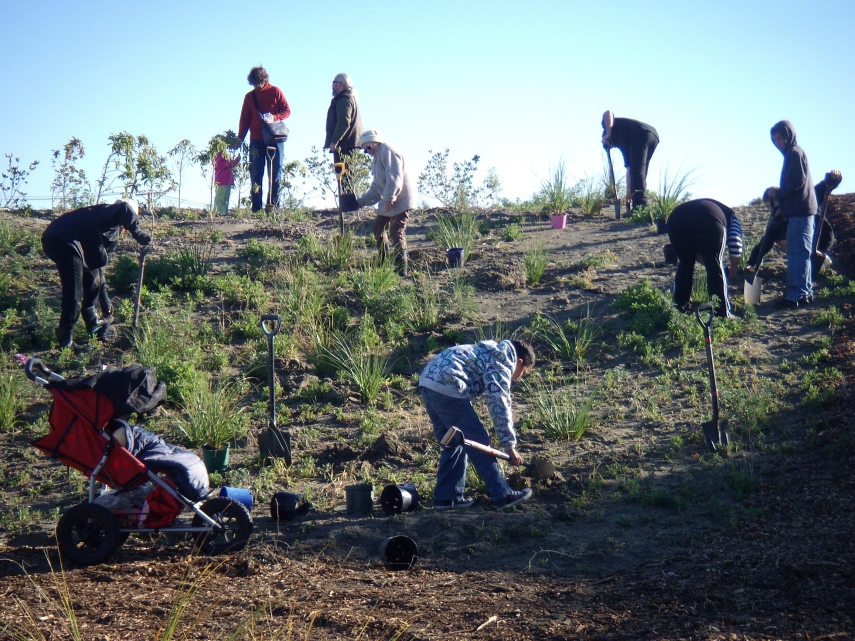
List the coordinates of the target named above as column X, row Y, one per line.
column 796, row 195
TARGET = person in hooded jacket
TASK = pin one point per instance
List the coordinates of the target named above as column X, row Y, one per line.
column 344, row 124
column 79, row 243
column 777, row 233
column 796, row 203
column 448, row 384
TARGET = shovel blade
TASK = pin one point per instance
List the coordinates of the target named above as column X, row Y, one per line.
column 751, row 290
column 275, row 442
column 711, row 435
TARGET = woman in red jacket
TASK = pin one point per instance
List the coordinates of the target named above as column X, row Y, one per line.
column 272, row 106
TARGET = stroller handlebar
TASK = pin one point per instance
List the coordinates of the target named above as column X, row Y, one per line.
column 45, row 375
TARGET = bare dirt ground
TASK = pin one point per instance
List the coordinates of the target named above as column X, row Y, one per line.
column 641, row 534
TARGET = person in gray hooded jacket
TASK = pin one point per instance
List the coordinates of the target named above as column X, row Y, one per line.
column 394, row 191
column 797, row 203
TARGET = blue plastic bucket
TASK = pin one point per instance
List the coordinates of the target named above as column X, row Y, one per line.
column 242, row 495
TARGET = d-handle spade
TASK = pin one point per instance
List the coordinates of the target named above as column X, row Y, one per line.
column 452, row 433
column 715, row 434
column 138, row 295
column 273, row 442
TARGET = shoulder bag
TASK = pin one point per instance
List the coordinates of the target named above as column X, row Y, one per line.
column 273, row 132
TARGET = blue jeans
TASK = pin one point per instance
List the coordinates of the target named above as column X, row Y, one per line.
column 257, row 160
column 444, row 412
column 799, row 250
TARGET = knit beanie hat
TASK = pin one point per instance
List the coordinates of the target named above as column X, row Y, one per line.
column 372, row 135
column 132, row 203
column 344, row 79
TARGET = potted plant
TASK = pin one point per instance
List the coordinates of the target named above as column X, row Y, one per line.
column 212, row 420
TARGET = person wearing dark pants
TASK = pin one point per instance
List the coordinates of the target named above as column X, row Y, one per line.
column 272, row 106
column 449, row 384
column 393, row 188
column 701, row 230
column 79, row 243
column 777, row 234
column 637, row 141
column 796, row 203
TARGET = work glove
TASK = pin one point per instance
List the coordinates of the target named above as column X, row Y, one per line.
column 833, row 178
column 142, row 238
column 268, row 117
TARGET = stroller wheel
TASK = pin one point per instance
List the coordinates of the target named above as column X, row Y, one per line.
column 233, row 518
column 87, row 534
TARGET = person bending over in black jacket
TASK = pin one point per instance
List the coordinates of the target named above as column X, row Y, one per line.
column 701, row 230
column 79, row 242
column 637, row 141
column 777, row 234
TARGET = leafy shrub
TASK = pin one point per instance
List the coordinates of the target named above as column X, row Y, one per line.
column 261, row 256
column 241, row 290
column 512, row 232
column 457, row 190
column 647, row 309
column 164, row 342
column 820, row 385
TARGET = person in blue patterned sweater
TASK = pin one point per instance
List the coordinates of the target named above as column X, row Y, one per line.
column 449, row 383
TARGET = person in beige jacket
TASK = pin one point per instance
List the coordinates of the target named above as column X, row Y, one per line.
column 395, row 193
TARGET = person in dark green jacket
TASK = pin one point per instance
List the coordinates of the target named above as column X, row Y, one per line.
column 344, row 124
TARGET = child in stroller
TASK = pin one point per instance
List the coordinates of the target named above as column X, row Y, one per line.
column 87, row 433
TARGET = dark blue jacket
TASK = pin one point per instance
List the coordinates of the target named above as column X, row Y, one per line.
column 97, row 229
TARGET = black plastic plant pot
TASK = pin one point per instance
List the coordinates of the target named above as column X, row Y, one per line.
column 396, row 499
column 285, row 506
column 399, row 552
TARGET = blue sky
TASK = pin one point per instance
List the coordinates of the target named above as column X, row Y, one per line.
column 522, row 84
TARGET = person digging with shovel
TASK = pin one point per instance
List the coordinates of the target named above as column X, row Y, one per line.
column 394, row 191
column 448, row 384
column 701, row 230
column 79, row 242
column 777, row 233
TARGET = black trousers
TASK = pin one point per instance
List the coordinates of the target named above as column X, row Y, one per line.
column 80, row 286
column 698, row 228
column 640, row 153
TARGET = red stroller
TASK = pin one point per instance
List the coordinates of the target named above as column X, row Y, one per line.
column 85, row 434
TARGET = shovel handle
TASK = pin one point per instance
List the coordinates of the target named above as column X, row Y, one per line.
column 276, row 324
column 706, row 307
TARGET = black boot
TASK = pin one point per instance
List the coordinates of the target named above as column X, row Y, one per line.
column 63, row 337
column 95, row 325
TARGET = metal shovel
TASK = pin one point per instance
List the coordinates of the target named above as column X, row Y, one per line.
column 751, row 289
column 715, row 434
column 273, row 441
column 138, row 296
